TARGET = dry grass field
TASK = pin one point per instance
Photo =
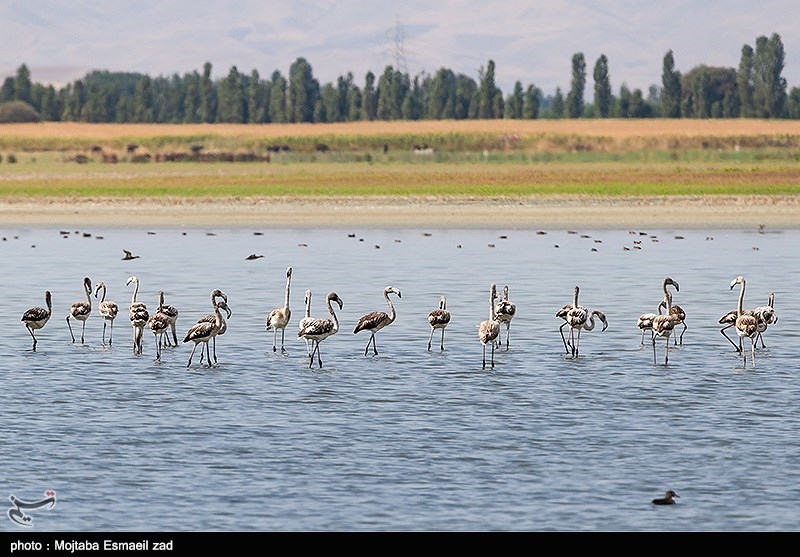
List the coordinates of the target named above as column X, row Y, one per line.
column 610, row 172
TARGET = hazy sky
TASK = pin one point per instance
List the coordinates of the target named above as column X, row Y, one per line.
column 530, row 41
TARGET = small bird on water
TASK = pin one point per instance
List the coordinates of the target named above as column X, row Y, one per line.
column 129, row 255
column 668, row 498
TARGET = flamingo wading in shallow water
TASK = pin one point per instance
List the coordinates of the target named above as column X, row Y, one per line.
column 377, row 320
column 439, row 319
column 489, row 330
column 278, row 318
column 81, row 310
column 138, row 314
column 314, row 331
column 37, row 317
column 108, row 311
column 505, row 311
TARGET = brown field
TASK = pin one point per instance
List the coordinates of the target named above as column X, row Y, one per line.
column 616, row 129
column 561, row 205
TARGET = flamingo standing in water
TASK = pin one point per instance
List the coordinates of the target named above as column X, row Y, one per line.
column 278, row 318
column 81, row 310
column 377, row 320
column 316, row 330
column 138, row 314
column 203, row 331
column 108, row 311
column 439, row 319
column 746, row 324
column 37, row 317
column 489, row 330
column 505, row 311
column 664, row 324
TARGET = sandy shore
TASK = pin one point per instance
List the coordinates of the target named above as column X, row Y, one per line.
column 390, row 212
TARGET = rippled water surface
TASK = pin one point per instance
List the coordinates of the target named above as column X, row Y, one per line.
column 409, row 439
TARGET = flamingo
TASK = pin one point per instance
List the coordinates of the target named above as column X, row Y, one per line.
column 664, row 324
column 439, row 319
column 138, row 314
column 37, row 317
column 203, row 331
column 279, row 317
column 579, row 318
column 172, row 319
column 108, row 311
column 489, row 330
column 678, row 314
column 159, row 323
column 766, row 316
column 81, row 310
column 505, row 311
column 746, row 324
column 316, row 330
column 306, row 319
column 211, row 318
column 377, row 320
column 645, row 321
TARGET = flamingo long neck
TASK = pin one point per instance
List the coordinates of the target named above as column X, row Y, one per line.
column 392, row 313
column 492, row 298
column 589, row 325
column 218, row 322
column 308, row 304
column 103, row 297
column 288, row 282
column 668, row 300
column 49, row 301
column 333, row 314
column 771, row 299
column 575, row 298
column 88, row 289
column 135, row 291
column 741, row 300
column 160, row 301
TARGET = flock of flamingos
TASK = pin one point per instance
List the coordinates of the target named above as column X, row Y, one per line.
column 748, row 323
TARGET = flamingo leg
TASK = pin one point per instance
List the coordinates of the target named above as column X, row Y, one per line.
column 70, row 329
column 564, row 340
column 722, row 330
column 283, row 339
column 192, row 354
column 430, row 338
column 442, row 346
column 110, row 331
column 32, row 336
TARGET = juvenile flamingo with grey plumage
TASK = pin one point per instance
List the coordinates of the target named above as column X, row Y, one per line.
column 377, row 320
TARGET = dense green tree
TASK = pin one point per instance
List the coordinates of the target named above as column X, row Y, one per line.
column 769, row 89
column 232, row 98
column 670, row 88
column 441, row 98
column 557, row 104
column 603, row 97
column 704, row 90
column 392, row 89
column 192, row 98
column 793, row 103
column 514, row 102
column 303, row 91
column 17, row 111
column 74, row 99
column 369, row 98
column 278, row 110
column 143, row 101
column 208, row 96
column 745, row 82
column 575, row 96
column 466, row 97
column 7, row 90
column 531, row 102
column 489, row 95
column 623, row 105
column 22, row 84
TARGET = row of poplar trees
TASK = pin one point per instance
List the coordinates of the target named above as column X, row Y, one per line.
column 756, row 89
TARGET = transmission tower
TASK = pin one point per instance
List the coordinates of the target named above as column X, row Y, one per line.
column 397, row 35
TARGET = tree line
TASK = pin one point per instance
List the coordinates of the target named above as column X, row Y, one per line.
column 756, row 89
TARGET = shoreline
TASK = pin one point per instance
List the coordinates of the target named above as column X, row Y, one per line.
column 690, row 212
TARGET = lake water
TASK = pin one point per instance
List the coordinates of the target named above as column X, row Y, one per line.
column 411, row 439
